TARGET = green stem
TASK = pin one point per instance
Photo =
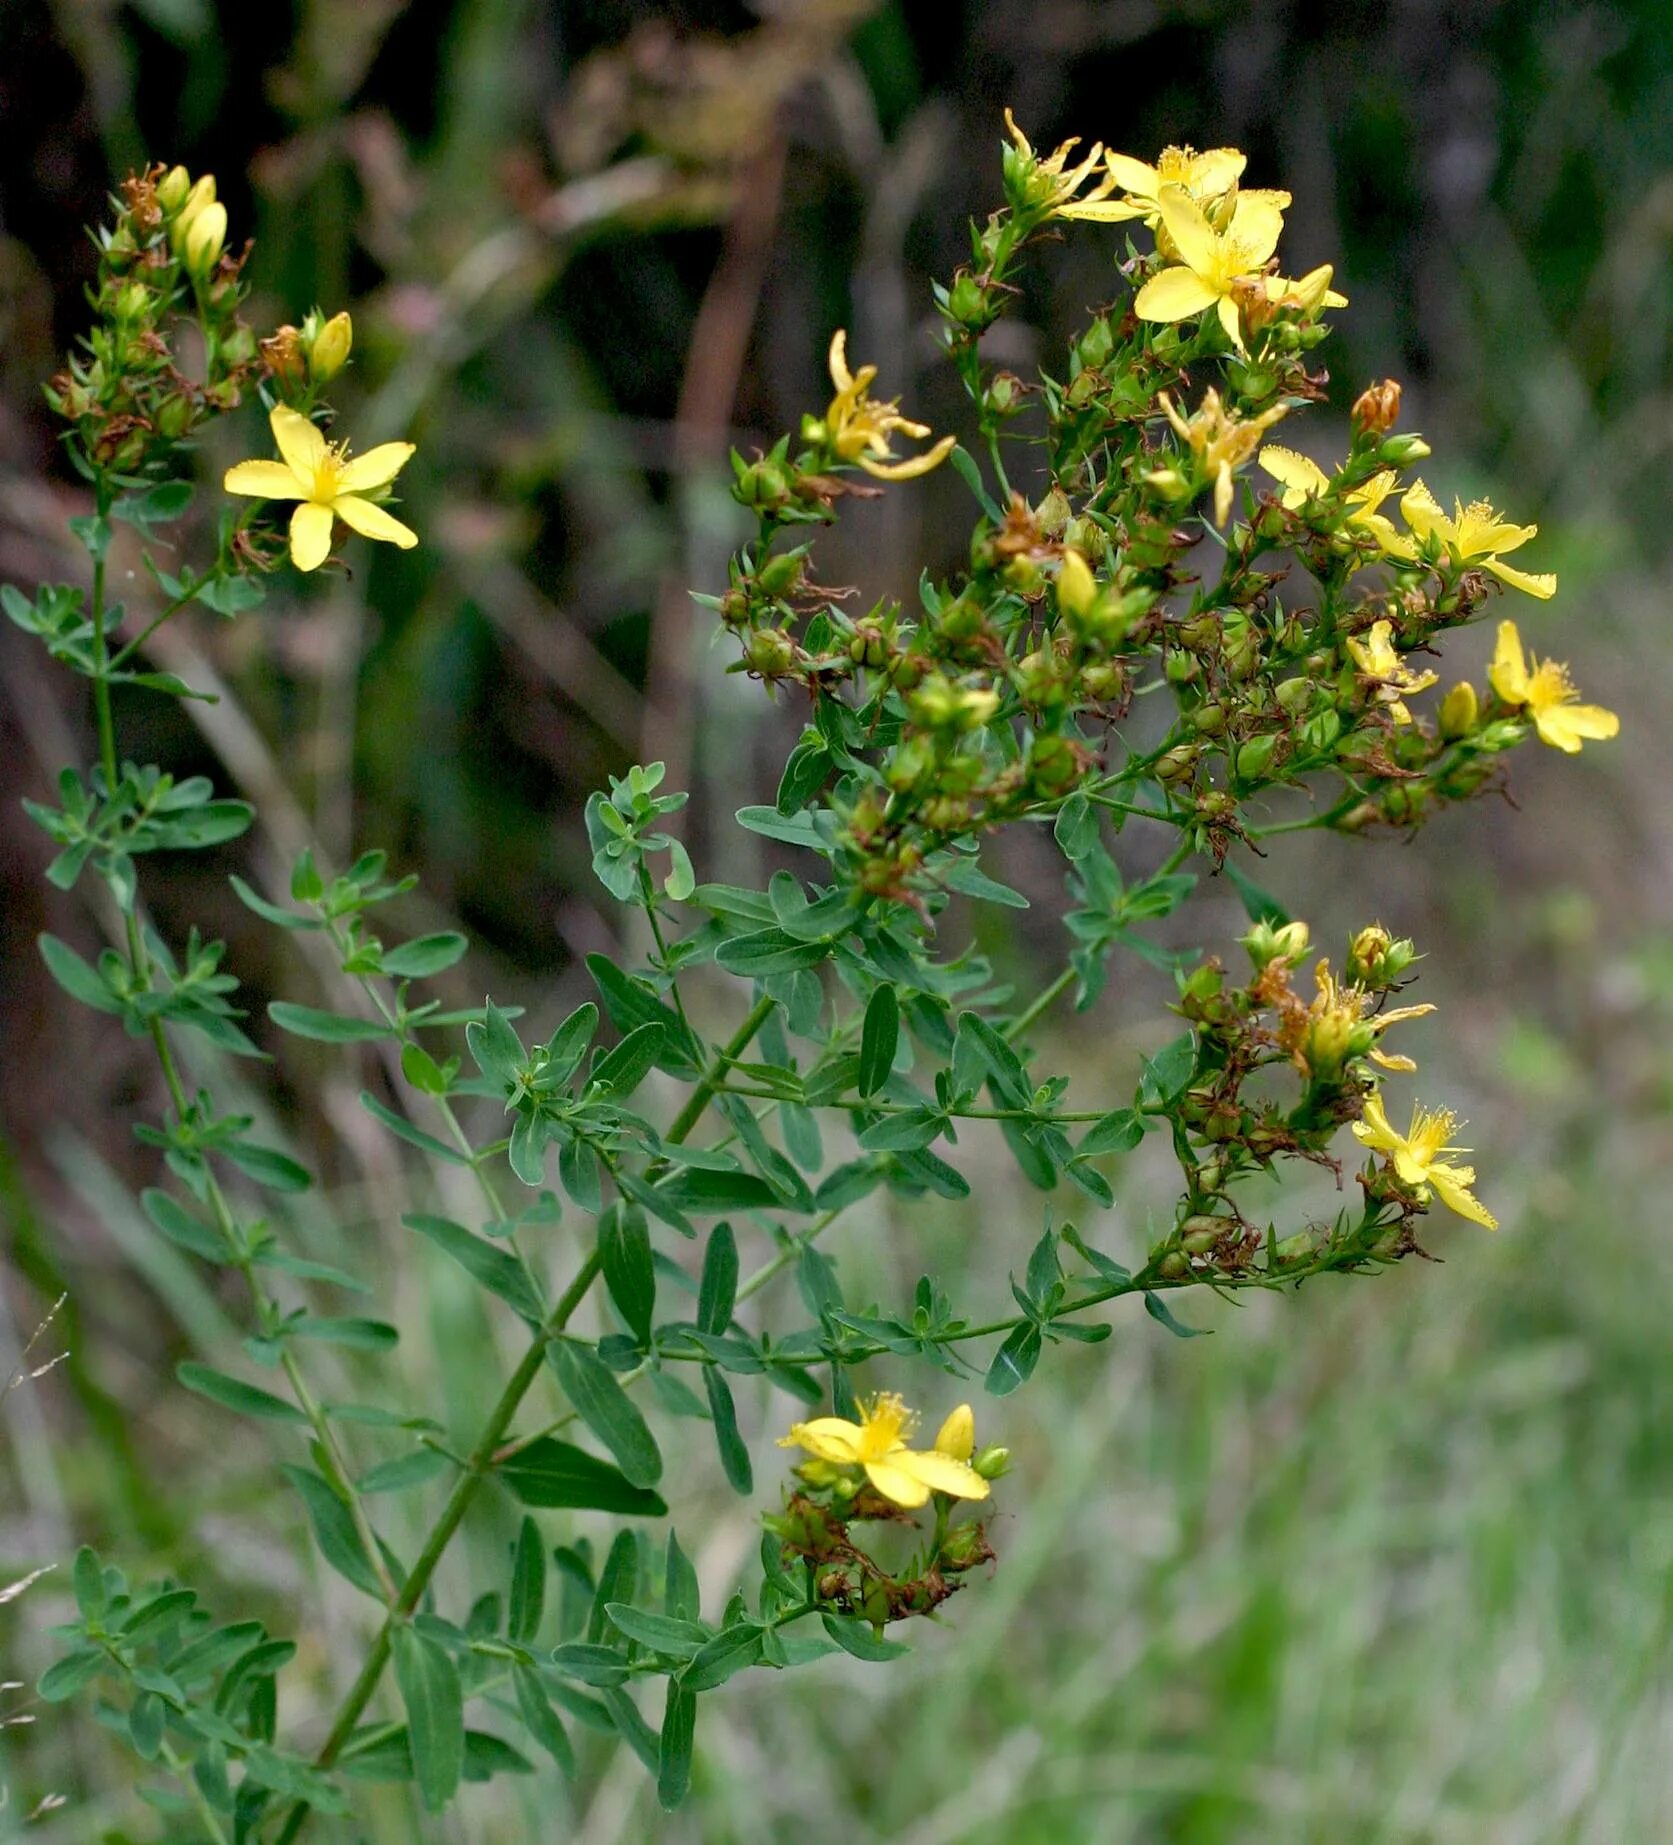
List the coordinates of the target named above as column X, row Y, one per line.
column 183, row 1774
column 488, row 1444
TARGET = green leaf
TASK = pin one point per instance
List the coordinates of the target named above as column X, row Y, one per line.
column 403, row 1129
column 1014, row 1362
column 904, row 1132
column 879, row 1037
column 1076, row 827
column 804, row 775
column 734, row 1456
column 181, row 1227
column 430, row 1690
column 1158, row 1311
column 497, row 1270
column 75, row 976
column 88, row 1580
column 1167, row 1073
column 334, row 1530
column 718, row 1291
column 231, row 1393
column 1259, row 904
column 425, row 955
column 495, row 1046
column 622, row 1070
column 679, row 1732
column 539, row 1718
column 965, row 467
column 267, row 1166
column 662, row 1633
column 66, row 1676
column 624, row 1247
column 1119, row 1132
column 995, row 1055
column 727, row 1653
column 592, row 1665
column 326, row 1027
column 861, row 1639
column 274, row 913
column 607, row 1410
column 694, row 1189
column 680, row 1595
column 553, row 1473
column 769, row 951
column 394, row 1476
column 528, row 1584
column 361, row 1335
column 968, row 878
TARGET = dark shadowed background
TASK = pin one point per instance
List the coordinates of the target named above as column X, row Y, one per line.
column 1388, row 1564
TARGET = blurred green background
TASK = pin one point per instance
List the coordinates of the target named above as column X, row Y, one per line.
column 1387, row 1563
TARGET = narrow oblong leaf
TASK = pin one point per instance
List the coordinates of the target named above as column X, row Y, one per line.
column 430, row 1691
column 607, row 1410
column 495, row 1269
column 326, row 1027
column 718, row 1291
column 624, row 1247
column 734, row 1456
column 675, row 1744
column 539, row 1718
column 232, row 1393
column 879, row 1036
column 527, row 1601
column 549, row 1472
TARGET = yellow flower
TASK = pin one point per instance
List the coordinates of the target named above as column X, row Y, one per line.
column 1304, row 480
column 1307, row 292
column 857, row 428
column 1474, row 534
column 1212, row 263
column 1417, row 1156
column 329, row 485
column 1339, row 1025
column 1047, row 182
column 1219, row 443
column 1377, row 660
column 1203, row 177
column 1544, row 689
column 877, row 1443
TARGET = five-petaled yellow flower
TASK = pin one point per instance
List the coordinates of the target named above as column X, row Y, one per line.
column 1205, row 177
column 1303, row 479
column 877, row 1443
column 857, row 428
column 1376, row 658
column 1418, row 1156
column 1340, row 1024
column 1545, row 691
column 1212, row 263
column 1049, row 182
column 329, row 485
column 1475, row 534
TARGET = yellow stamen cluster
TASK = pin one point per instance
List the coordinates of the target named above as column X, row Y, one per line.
column 1419, row 1157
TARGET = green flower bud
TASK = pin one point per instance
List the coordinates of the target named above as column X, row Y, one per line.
column 770, row 652
column 992, row 1463
column 1255, row 758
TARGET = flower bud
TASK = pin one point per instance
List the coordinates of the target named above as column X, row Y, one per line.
column 1255, row 758
column 992, row 1463
column 1077, row 588
column 770, row 652
column 205, row 238
column 173, row 188
column 957, row 1436
column 1268, row 942
column 1459, row 710
column 1377, row 409
column 1401, row 451
column 1179, row 763
column 329, row 350
column 778, row 576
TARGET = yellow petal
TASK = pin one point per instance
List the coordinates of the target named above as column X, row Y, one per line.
column 1193, row 236
column 1257, row 224
column 1421, row 510
column 1508, row 672
column 830, row 1437
column 376, row 468
column 1391, row 1060
column 837, row 359
column 1102, row 211
column 1174, row 294
column 1545, row 587
column 1565, row 727
column 1374, row 1130
column 1222, row 492
column 1451, row 1184
column 1302, row 476
column 264, row 480
column 310, row 536
column 1227, row 309
column 1220, row 167
column 941, row 1472
column 895, row 1483
column 958, row 1434
column 916, row 465
column 373, row 522
column 301, row 444
column 1133, row 175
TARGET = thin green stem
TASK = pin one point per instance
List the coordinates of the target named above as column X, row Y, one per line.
column 183, row 1774
column 705, row 1092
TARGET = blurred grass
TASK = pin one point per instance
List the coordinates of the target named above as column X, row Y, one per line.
column 1387, row 1564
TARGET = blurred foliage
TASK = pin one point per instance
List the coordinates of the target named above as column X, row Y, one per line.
column 1405, row 1578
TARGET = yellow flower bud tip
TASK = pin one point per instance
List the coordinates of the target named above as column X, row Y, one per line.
column 205, row 238
column 330, row 349
column 173, row 189
column 957, row 1435
column 1077, row 589
column 198, row 199
column 1459, row 711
